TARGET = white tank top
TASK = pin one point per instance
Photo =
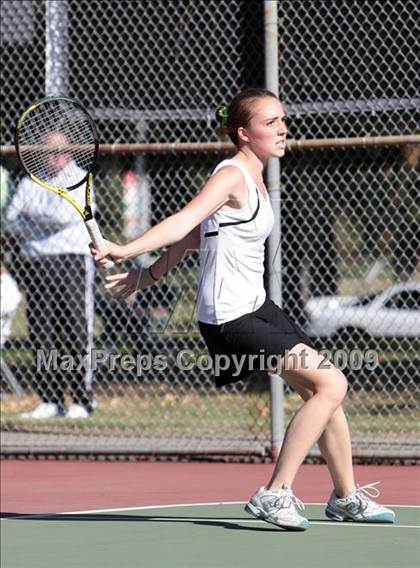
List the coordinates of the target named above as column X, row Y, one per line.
column 232, row 256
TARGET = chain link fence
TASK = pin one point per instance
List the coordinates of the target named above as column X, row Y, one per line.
column 154, row 72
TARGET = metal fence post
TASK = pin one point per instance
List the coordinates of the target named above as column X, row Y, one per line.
column 56, row 47
column 273, row 186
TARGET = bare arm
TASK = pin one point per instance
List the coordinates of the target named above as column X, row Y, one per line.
column 125, row 284
column 219, row 190
column 176, row 252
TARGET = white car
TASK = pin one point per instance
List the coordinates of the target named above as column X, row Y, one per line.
column 393, row 312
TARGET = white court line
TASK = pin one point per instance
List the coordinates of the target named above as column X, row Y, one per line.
column 158, row 507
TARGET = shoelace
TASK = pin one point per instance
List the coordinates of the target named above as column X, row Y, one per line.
column 288, row 499
column 368, row 491
column 363, row 494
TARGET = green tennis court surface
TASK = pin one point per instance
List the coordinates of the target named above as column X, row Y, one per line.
column 205, row 536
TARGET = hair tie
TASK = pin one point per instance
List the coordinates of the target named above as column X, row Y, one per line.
column 222, row 115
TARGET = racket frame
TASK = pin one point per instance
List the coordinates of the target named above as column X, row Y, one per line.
column 86, row 211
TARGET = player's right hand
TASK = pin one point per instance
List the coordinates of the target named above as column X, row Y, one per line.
column 111, row 251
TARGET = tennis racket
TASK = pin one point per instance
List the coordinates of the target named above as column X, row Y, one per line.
column 56, row 135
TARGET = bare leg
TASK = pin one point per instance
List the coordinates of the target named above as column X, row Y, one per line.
column 335, row 445
column 329, row 387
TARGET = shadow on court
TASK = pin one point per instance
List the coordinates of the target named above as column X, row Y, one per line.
column 230, row 523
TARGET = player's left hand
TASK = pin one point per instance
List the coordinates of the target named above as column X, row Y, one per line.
column 123, row 285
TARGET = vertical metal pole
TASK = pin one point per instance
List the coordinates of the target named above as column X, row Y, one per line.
column 273, row 185
column 144, row 211
column 56, row 47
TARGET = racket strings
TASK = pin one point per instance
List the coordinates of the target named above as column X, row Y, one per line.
column 57, row 143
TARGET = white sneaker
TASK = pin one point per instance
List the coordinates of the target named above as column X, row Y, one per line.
column 77, row 411
column 359, row 507
column 43, row 411
column 278, row 508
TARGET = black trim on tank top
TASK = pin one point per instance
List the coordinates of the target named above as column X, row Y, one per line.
column 215, row 233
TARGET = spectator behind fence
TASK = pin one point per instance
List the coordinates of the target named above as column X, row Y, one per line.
column 10, row 295
column 10, row 298
column 57, row 274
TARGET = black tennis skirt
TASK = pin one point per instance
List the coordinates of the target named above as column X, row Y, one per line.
column 244, row 347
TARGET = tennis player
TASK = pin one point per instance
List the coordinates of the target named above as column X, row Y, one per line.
column 229, row 221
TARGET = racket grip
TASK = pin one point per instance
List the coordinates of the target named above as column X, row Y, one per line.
column 97, row 239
